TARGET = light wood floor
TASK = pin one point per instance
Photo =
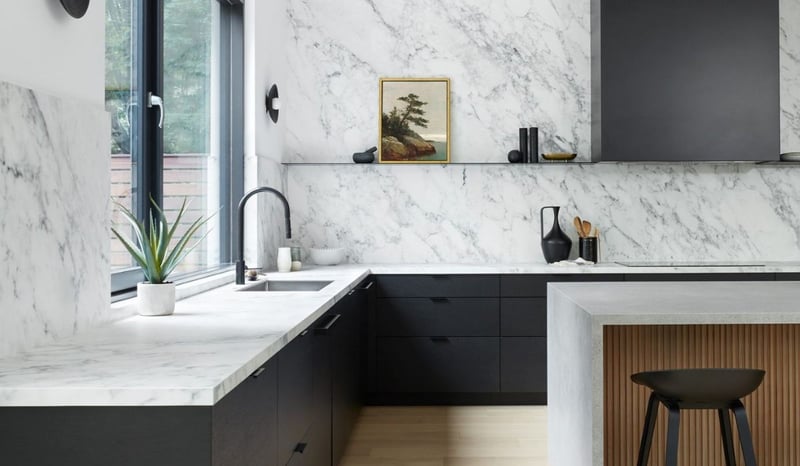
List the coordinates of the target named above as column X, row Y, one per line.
column 449, row 436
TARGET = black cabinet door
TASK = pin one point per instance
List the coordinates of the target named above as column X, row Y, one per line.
column 438, row 365
column 523, row 364
column 244, row 422
column 295, row 394
column 347, row 367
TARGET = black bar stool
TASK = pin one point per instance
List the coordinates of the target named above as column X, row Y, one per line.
column 720, row 389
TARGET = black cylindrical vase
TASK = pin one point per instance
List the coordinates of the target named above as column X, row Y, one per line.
column 533, row 147
column 523, row 144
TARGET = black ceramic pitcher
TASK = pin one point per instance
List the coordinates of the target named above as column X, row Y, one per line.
column 556, row 245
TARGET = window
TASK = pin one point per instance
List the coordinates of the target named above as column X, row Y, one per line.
column 189, row 53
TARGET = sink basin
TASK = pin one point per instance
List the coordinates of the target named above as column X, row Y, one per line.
column 286, row 285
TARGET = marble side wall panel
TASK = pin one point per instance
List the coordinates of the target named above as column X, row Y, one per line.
column 54, row 216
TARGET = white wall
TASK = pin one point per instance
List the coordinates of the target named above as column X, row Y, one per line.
column 43, row 48
column 265, row 65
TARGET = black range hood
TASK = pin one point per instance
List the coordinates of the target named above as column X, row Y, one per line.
column 685, row 80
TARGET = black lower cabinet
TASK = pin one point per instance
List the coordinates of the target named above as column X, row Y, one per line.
column 239, row 430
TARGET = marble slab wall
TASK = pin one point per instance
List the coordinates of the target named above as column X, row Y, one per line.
column 487, row 214
column 54, row 207
column 511, row 62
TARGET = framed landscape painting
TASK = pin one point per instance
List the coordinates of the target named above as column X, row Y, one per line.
column 415, row 120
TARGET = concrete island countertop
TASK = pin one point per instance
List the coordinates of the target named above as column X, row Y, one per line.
column 577, row 313
column 216, row 339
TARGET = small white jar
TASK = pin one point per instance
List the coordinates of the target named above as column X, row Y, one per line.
column 284, row 260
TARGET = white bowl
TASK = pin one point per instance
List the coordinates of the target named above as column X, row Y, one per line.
column 327, row 256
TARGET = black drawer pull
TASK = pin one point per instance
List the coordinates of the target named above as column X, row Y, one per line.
column 258, row 372
column 440, row 300
column 304, row 333
column 440, row 339
column 328, row 326
column 368, row 286
column 300, row 448
column 441, row 277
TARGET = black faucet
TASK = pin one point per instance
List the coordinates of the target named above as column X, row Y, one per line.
column 240, row 265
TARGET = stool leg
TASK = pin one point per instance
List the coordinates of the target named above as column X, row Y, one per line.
column 745, row 437
column 673, row 428
column 727, row 436
column 647, row 432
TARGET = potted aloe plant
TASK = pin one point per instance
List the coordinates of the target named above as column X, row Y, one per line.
column 151, row 251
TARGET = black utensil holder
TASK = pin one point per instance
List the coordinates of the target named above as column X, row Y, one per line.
column 587, row 248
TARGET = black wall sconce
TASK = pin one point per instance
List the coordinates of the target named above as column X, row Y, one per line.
column 273, row 103
column 75, row 8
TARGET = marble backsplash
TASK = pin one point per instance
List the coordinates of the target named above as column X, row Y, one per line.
column 512, row 63
column 490, row 213
column 54, row 239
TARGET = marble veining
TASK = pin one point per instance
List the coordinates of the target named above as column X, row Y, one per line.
column 512, row 63
column 490, row 214
column 54, row 181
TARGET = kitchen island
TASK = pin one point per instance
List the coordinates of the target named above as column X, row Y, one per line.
column 600, row 333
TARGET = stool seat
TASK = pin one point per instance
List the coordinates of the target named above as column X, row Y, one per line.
column 701, row 385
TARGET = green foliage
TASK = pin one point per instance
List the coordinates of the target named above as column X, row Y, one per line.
column 187, row 62
column 398, row 123
column 151, row 249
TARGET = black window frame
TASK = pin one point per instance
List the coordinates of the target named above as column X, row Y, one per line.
column 147, row 142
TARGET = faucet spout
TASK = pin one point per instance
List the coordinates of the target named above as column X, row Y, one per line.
column 240, row 264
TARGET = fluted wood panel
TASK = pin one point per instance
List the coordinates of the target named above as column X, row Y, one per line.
column 772, row 409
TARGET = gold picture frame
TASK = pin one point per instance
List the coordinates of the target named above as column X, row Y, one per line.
column 413, row 134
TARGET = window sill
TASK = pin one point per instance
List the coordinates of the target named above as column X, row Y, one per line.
column 123, row 305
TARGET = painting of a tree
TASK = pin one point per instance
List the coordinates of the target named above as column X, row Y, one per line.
column 397, row 123
column 417, row 127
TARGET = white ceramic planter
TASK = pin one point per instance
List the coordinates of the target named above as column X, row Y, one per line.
column 156, row 300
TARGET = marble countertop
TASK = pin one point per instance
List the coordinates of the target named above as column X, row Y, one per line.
column 683, row 302
column 193, row 358
column 216, row 339
column 577, row 314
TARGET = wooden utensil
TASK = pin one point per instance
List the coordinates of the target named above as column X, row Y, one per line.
column 587, row 228
column 578, row 226
column 596, row 233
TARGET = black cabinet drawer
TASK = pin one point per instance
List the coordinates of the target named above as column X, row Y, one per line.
column 434, row 286
column 295, row 394
column 787, row 276
column 423, row 317
column 699, row 277
column 431, row 365
column 523, row 364
column 535, row 286
column 523, row 317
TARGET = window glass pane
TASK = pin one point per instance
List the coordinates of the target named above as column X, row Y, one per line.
column 191, row 128
column 121, row 95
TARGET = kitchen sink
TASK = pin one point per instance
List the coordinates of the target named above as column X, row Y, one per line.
column 286, row 285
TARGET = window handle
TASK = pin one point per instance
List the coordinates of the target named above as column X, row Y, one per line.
column 156, row 101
